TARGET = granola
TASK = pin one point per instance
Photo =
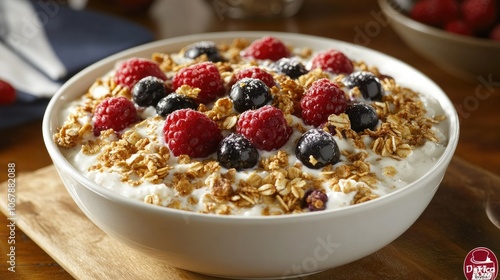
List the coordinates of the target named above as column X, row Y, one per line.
column 137, row 163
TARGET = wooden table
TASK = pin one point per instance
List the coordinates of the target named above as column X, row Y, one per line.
column 344, row 20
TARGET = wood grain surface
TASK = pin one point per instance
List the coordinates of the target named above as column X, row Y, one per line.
column 424, row 246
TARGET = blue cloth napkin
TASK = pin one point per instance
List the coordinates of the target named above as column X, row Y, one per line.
column 78, row 38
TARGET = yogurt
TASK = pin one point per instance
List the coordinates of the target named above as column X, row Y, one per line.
column 137, row 163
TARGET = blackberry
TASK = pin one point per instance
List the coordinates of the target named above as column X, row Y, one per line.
column 368, row 84
column 362, row 116
column 173, row 102
column 317, row 148
column 148, row 91
column 236, row 151
column 314, row 200
column 249, row 94
column 204, row 47
column 291, row 67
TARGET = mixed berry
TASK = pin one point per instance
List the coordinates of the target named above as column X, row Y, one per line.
column 322, row 99
column 115, row 113
column 7, row 93
column 204, row 76
column 236, row 151
column 254, row 72
column 368, row 84
column 249, row 93
column 174, row 102
column 148, row 91
column 317, row 148
column 478, row 18
column 362, row 116
column 314, row 200
column 332, row 61
column 268, row 47
column 207, row 48
column 266, row 127
column 261, row 123
column 192, row 133
column 129, row 72
column 293, row 68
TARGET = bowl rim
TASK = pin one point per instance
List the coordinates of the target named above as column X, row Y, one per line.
column 61, row 163
column 392, row 13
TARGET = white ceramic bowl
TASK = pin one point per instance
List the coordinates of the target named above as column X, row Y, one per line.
column 465, row 57
column 252, row 247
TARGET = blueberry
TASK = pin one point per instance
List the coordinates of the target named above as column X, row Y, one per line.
column 249, row 94
column 362, row 116
column 314, row 200
column 291, row 67
column 317, row 148
column 236, row 151
column 148, row 91
column 173, row 102
column 368, row 84
column 204, row 47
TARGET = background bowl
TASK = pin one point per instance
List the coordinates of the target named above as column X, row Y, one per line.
column 252, row 247
column 257, row 9
column 464, row 57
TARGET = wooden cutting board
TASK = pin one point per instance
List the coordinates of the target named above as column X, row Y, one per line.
column 433, row 248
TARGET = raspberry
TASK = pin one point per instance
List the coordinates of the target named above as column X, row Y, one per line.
column 134, row 69
column 204, row 76
column 479, row 14
column 434, row 12
column 459, row 27
column 192, row 133
column 332, row 61
column 321, row 100
column 7, row 93
column 266, row 48
column 256, row 73
column 115, row 112
column 266, row 127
